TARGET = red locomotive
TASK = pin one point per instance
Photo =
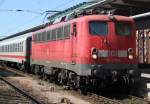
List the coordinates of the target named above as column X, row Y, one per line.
column 85, row 52
column 95, row 50
column 79, row 48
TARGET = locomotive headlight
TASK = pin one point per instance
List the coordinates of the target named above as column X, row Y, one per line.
column 130, row 50
column 94, row 56
column 130, row 57
column 94, row 53
column 131, row 72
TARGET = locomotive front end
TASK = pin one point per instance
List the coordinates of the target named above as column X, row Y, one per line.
column 113, row 50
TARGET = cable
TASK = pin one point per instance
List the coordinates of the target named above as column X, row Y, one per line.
column 61, row 5
column 28, row 11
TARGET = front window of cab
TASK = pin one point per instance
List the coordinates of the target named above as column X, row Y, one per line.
column 123, row 28
column 98, row 28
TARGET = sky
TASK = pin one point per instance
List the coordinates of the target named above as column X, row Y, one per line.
column 12, row 22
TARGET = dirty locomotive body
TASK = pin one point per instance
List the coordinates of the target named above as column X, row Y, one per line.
column 92, row 50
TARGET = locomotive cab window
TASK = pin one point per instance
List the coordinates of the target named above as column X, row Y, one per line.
column 123, row 28
column 98, row 28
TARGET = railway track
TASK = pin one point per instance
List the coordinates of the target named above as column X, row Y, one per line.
column 94, row 98
column 10, row 94
column 137, row 100
column 97, row 99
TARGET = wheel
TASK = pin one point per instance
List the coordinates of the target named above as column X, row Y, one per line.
column 32, row 69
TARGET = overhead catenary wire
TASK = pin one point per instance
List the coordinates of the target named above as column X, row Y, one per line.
column 29, row 11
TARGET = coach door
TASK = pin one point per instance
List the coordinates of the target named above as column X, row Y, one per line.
column 74, row 42
column 28, row 47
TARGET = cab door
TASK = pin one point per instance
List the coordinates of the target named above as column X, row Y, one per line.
column 74, row 42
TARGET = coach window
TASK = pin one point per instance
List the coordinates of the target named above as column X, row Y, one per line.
column 5, row 48
column 98, row 28
column 2, row 48
column 54, row 34
column 67, row 31
column 14, row 47
column 18, row 47
column 8, row 48
column 21, row 46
